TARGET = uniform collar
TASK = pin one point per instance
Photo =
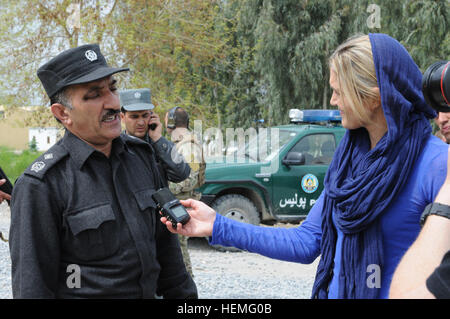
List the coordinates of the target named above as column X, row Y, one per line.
column 146, row 138
column 80, row 151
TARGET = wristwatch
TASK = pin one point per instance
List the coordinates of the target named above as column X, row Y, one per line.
column 435, row 209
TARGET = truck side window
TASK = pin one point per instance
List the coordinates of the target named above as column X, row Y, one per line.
column 318, row 149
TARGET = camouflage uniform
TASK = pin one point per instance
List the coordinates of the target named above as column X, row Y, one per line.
column 188, row 146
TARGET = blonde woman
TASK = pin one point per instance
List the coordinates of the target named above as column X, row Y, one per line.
column 386, row 169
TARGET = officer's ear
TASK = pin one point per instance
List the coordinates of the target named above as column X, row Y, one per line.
column 61, row 113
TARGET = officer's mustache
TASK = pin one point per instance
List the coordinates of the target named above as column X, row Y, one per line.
column 109, row 114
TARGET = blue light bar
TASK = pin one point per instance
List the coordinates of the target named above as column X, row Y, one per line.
column 312, row 116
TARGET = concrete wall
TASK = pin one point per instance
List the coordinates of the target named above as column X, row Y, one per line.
column 12, row 134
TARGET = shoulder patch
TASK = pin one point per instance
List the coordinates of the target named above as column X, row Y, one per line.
column 44, row 162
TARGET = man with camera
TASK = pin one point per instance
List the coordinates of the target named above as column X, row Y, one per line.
column 436, row 90
column 141, row 122
column 443, row 122
column 83, row 221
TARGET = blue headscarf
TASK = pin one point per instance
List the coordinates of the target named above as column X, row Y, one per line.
column 361, row 183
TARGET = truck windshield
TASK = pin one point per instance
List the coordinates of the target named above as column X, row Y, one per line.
column 263, row 146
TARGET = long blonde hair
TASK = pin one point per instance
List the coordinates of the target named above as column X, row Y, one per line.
column 355, row 70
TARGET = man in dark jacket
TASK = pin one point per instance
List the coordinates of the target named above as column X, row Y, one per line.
column 83, row 220
column 141, row 122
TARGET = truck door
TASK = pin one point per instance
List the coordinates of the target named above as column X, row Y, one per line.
column 296, row 187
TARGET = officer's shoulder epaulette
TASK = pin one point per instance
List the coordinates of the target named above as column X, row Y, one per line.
column 44, row 162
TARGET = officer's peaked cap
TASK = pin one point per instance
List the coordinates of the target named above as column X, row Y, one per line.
column 78, row 65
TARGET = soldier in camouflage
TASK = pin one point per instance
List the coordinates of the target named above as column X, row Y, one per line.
column 189, row 146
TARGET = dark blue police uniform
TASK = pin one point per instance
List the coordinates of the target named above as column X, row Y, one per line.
column 75, row 206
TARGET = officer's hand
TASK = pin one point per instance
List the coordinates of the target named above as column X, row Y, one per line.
column 201, row 222
column 3, row 195
column 155, row 134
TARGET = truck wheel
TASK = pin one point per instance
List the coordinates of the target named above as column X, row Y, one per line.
column 236, row 207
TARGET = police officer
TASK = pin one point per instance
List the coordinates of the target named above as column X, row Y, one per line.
column 83, row 222
column 189, row 146
column 141, row 122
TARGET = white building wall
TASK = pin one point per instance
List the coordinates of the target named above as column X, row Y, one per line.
column 45, row 137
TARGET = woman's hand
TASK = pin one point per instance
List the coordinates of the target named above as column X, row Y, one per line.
column 201, row 222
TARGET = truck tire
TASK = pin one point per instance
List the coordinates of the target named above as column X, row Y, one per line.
column 236, row 207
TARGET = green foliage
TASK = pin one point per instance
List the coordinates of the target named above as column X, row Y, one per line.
column 176, row 49
column 33, row 145
column 14, row 163
column 289, row 42
column 229, row 63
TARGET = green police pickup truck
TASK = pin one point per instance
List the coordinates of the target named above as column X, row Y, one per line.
column 277, row 174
